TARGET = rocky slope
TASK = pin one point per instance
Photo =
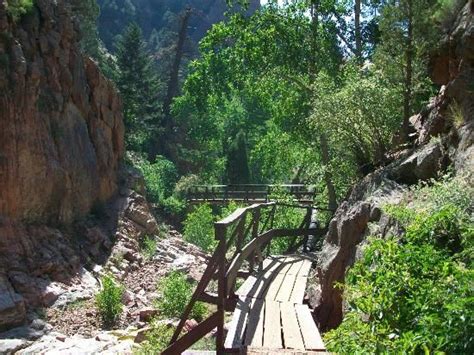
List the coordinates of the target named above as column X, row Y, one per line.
column 444, row 133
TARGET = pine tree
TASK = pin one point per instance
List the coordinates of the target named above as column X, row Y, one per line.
column 138, row 86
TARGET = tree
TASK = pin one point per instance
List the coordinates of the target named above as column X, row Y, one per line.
column 87, row 12
column 238, row 171
column 139, row 88
column 406, row 38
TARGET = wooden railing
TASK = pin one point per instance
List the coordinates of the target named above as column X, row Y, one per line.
column 244, row 239
column 254, row 193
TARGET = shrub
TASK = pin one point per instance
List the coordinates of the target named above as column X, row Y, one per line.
column 148, row 247
column 406, row 298
column 157, row 338
column 199, row 227
column 17, row 8
column 174, row 206
column 160, row 178
column 109, row 300
column 414, row 294
column 176, row 292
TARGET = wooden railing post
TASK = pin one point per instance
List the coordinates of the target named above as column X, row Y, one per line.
column 256, row 222
column 220, row 232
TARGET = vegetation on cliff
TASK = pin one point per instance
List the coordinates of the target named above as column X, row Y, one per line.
column 413, row 293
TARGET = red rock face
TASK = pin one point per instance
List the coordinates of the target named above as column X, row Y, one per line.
column 61, row 127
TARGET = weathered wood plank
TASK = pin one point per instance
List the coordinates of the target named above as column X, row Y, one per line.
column 277, row 282
column 305, row 268
column 254, row 334
column 291, row 331
column 272, row 326
column 311, row 337
column 235, row 334
column 299, row 289
column 257, row 286
column 296, row 266
column 286, row 288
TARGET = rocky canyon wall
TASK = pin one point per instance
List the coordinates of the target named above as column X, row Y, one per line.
column 449, row 118
column 61, row 141
column 61, row 128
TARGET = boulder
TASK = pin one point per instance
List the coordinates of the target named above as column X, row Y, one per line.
column 12, row 305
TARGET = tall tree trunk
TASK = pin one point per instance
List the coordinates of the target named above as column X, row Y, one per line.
column 313, row 70
column 407, row 95
column 332, row 201
column 357, row 30
column 173, row 83
column 165, row 144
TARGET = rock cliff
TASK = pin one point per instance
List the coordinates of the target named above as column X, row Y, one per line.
column 444, row 137
column 61, row 141
column 61, row 135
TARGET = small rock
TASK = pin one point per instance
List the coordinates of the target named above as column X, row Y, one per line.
column 190, row 324
column 61, row 338
column 128, row 297
column 141, row 335
column 147, row 313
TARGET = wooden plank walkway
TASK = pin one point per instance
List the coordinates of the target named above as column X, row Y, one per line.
column 270, row 315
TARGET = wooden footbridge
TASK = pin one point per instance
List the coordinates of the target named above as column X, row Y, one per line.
column 247, row 193
column 269, row 315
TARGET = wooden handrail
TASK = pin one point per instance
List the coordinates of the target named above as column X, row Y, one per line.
column 239, row 212
column 227, row 271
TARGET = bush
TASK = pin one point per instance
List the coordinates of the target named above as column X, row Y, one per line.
column 176, row 293
column 109, row 300
column 199, row 228
column 148, row 247
column 160, row 178
column 174, row 206
column 17, row 8
column 157, row 339
column 406, row 298
column 414, row 294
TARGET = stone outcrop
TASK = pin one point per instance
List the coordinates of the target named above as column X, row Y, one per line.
column 445, row 136
column 61, row 141
column 61, row 135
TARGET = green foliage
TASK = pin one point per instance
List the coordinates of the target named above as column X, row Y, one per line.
column 285, row 217
column 160, row 178
column 109, row 300
column 359, row 115
column 399, row 47
column 414, row 294
column 138, row 85
column 199, row 227
column 87, row 13
column 237, row 168
column 176, row 292
column 446, row 12
column 18, row 8
column 157, row 338
column 148, row 247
